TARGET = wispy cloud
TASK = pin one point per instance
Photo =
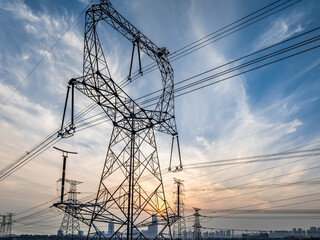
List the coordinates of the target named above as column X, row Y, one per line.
column 280, row 29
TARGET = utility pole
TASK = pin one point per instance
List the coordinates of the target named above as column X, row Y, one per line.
column 197, row 226
column 70, row 227
column 179, row 227
column 64, row 165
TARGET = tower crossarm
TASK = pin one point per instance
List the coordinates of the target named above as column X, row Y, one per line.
column 98, row 84
column 83, row 212
column 118, row 106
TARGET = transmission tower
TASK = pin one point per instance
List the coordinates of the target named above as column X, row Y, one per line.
column 122, row 198
column 197, row 226
column 3, row 226
column 70, row 227
column 179, row 228
column 6, row 225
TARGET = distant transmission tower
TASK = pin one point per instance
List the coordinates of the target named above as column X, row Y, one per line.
column 179, row 227
column 6, row 225
column 197, row 226
column 123, row 199
column 2, row 226
column 70, row 227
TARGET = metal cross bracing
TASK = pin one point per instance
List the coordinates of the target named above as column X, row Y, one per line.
column 6, row 225
column 123, row 199
column 70, row 226
column 97, row 83
column 179, row 227
column 197, row 225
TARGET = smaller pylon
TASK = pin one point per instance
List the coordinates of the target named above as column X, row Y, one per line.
column 70, row 226
column 6, row 225
column 179, row 228
column 197, row 226
column 3, row 226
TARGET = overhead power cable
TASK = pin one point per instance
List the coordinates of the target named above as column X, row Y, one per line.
column 38, row 149
column 258, row 158
column 311, row 40
column 260, row 180
column 205, row 38
column 246, row 64
column 213, row 37
column 292, row 47
column 232, row 69
column 242, row 65
column 272, row 207
column 255, row 172
column 40, row 205
column 246, row 184
column 265, row 188
column 44, row 56
column 312, row 181
column 265, row 202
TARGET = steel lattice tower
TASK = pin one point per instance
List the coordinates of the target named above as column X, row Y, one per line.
column 3, row 226
column 6, row 225
column 123, row 199
column 70, row 227
column 179, row 227
column 197, row 226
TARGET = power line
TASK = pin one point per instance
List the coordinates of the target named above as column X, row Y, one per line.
column 232, row 69
column 44, row 56
column 258, row 191
column 190, row 50
column 280, row 200
column 221, row 29
column 261, row 180
column 265, row 157
column 43, row 145
column 240, row 66
column 266, row 202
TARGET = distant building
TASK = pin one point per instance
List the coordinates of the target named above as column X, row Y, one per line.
column 152, row 231
column 60, row 233
column 110, row 229
column 228, row 234
column 313, row 232
column 153, row 228
column 211, row 234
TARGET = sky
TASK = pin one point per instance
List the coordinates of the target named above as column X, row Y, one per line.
column 269, row 110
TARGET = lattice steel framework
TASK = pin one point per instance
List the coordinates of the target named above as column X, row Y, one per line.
column 123, row 198
column 197, row 225
column 6, row 225
column 70, row 226
column 179, row 227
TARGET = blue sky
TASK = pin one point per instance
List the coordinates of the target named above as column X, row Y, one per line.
column 269, row 110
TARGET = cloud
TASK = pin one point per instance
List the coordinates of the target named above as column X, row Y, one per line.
column 219, row 123
column 19, row 10
column 36, row 108
column 280, row 29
